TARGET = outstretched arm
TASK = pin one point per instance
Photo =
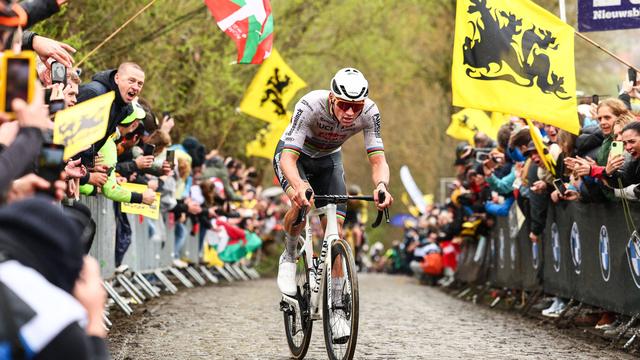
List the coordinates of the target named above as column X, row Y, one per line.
column 380, row 177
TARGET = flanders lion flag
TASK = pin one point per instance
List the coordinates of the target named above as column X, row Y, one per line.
column 512, row 56
column 267, row 139
column 466, row 123
column 271, row 89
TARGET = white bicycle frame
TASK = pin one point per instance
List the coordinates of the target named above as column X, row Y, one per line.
column 317, row 280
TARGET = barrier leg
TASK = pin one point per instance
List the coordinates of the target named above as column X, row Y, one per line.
column 564, row 311
column 131, row 289
column 167, row 284
column 224, row 273
column 253, row 274
column 628, row 344
column 242, row 275
column 106, row 321
column 144, row 285
column 573, row 315
column 232, row 271
column 175, row 272
column 497, row 300
column 463, row 293
column 624, row 329
column 117, row 298
column 532, row 300
column 208, row 274
column 194, row 274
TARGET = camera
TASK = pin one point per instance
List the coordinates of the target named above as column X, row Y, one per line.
column 58, row 73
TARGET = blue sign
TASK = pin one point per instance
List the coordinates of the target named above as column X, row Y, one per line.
column 602, row 15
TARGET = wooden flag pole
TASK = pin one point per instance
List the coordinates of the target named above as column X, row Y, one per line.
column 606, row 51
column 115, row 32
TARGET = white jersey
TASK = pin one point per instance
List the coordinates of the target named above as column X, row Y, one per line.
column 314, row 131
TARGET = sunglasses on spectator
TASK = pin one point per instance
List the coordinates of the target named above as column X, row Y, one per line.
column 346, row 105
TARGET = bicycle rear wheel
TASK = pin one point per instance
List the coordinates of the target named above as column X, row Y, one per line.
column 341, row 322
column 297, row 326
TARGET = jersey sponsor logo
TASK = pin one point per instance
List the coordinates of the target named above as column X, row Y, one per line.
column 555, row 247
column 289, row 139
column 603, row 247
column 306, row 103
column 576, row 251
column 331, row 135
column 325, row 126
column 376, row 125
column 296, row 122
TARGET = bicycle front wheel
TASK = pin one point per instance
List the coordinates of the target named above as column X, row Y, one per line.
column 298, row 326
column 340, row 308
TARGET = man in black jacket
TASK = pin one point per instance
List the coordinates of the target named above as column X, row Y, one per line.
column 127, row 82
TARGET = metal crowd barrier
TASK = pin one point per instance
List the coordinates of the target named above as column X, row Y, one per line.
column 104, row 242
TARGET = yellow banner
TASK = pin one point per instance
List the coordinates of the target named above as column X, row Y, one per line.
column 266, row 141
column 542, row 149
column 512, row 56
column 151, row 211
column 271, row 89
column 82, row 125
column 466, row 123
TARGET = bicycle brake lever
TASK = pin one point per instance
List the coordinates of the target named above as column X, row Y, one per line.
column 303, row 211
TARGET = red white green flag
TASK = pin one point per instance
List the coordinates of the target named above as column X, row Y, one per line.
column 249, row 23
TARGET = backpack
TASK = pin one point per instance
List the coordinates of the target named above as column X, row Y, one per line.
column 432, row 264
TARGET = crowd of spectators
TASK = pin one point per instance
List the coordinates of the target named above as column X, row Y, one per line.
column 599, row 165
column 51, row 294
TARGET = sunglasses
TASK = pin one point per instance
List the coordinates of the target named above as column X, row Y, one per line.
column 346, row 105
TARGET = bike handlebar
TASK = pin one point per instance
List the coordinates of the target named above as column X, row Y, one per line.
column 337, row 199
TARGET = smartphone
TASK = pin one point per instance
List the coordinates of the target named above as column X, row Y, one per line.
column 17, row 78
column 559, row 185
column 148, row 149
column 171, row 155
column 481, row 156
column 58, row 73
column 50, row 163
column 595, row 99
column 633, row 75
column 617, row 148
column 166, row 114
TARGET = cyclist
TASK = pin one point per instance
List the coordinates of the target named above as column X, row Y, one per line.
column 308, row 155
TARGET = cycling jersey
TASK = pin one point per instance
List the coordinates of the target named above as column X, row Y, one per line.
column 315, row 132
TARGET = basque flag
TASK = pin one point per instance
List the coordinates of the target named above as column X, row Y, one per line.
column 249, row 23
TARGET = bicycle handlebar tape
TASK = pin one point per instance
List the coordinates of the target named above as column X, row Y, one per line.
column 381, row 198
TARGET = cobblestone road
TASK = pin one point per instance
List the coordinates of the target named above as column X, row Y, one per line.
column 399, row 319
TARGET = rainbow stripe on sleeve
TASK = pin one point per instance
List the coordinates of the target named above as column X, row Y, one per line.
column 341, row 214
column 292, row 149
column 375, row 151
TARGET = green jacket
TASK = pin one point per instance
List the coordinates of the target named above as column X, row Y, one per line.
column 111, row 189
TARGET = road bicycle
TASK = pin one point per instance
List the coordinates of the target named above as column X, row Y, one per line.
column 315, row 279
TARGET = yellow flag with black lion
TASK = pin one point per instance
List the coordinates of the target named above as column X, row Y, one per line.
column 514, row 57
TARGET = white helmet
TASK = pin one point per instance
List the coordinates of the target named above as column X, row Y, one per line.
column 349, row 84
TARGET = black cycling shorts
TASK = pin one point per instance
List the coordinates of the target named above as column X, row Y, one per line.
column 324, row 174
